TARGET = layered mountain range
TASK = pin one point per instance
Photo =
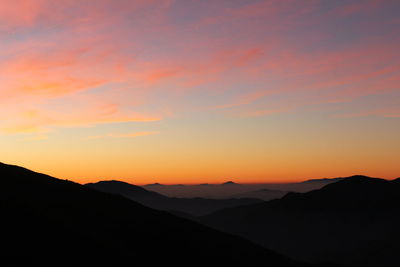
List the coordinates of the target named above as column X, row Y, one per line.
column 353, row 221
column 192, row 206
column 52, row 222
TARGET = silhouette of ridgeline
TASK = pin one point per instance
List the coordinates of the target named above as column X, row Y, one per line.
column 191, row 206
column 231, row 189
column 354, row 221
column 52, row 222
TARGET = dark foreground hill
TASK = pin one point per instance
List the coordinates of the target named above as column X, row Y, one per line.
column 51, row 222
column 192, row 206
column 354, row 221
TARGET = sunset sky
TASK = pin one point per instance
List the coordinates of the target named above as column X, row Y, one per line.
column 200, row 91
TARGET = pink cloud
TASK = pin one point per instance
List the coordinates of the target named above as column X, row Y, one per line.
column 80, row 63
column 41, row 121
column 66, row 13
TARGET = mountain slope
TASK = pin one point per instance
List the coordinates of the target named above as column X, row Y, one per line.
column 353, row 221
column 52, row 222
column 325, row 180
column 193, row 206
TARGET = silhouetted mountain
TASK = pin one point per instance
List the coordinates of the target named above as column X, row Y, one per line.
column 264, row 194
column 192, row 206
column 353, row 221
column 51, row 222
column 324, row 180
column 125, row 189
column 230, row 183
column 155, row 184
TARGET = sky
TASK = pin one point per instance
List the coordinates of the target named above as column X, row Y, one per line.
column 190, row 91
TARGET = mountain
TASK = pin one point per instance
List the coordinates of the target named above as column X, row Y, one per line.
column 354, row 221
column 123, row 188
column 155, row 184
column 51, row 222
column 230, row 183
column 264, row 194
column 192, row 206
column 326, row 180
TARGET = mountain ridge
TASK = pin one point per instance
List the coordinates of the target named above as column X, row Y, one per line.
column 53, row 222
column 193, row 206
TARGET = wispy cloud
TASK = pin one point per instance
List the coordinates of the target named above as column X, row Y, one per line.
column 81, row 64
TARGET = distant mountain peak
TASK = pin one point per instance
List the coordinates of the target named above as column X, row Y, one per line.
column 230, row 183
column 111, row 182
column 155, row 184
